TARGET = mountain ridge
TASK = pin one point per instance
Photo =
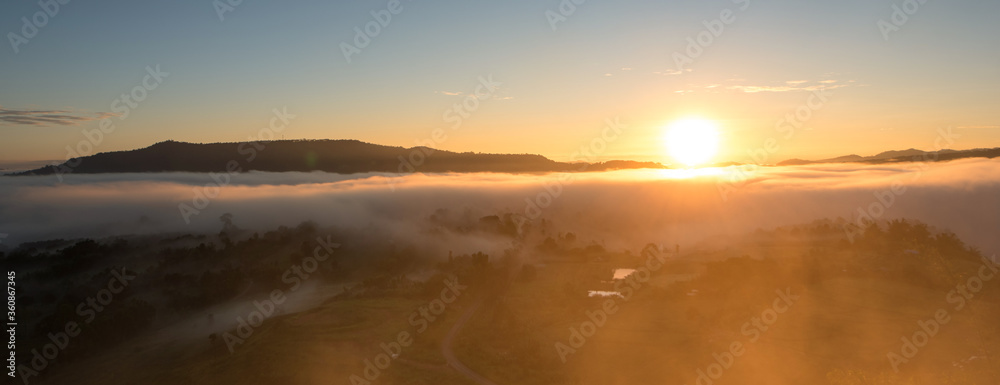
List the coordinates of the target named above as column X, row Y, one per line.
column 344, row 156
column 896, row 156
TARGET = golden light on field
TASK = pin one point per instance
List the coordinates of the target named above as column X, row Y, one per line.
column 692, row 142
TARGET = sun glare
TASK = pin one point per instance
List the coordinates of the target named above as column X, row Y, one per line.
column 692, row 142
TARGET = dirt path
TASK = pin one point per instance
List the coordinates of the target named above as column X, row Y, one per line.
column 449, row 355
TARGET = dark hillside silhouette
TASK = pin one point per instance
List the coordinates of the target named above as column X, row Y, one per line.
column 338, row 156
column 911, row 155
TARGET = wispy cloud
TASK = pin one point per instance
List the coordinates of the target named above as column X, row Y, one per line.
column 493, row 96
column 981, row 127
column 670, row 72
column 755, row 89
column 42, row 117
column 786, row 86
column 792, row 86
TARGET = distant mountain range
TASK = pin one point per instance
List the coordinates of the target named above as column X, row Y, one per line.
column 337, row 156
column 353, row 156
column 911, row 155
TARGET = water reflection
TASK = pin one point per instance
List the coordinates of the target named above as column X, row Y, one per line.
column 622, row 273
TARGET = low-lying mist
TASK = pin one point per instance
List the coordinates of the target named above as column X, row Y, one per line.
column 620, row 208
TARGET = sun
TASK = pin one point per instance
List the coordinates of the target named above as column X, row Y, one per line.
column 692, row 141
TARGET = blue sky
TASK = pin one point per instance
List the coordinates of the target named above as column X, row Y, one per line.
column 606, row 60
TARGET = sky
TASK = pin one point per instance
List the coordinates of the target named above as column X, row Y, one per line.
column 864, row 81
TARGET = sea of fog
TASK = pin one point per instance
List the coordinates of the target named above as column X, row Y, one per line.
column 621, row 207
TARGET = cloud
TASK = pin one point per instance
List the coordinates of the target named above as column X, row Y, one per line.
column 979, row 127
column 42, row 118
column 624, row 208
column 793, row 87
column 670, row 72
column 493, row 96
column 786, row 86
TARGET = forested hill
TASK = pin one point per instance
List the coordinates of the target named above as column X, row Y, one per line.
column 338, row 156
column 911, row 155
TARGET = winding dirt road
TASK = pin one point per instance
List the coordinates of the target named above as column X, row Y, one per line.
column 449, row 355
